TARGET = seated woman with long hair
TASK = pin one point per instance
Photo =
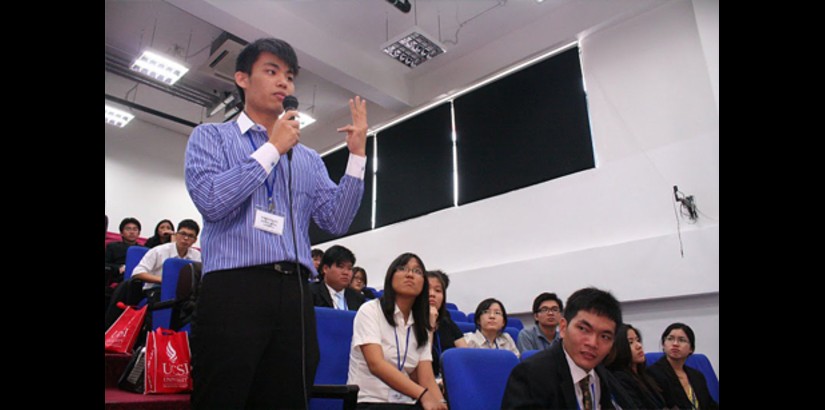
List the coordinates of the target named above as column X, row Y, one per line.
column 390, row 356
column 446, row 333
column 627, row 364
column 682, row 386
column 490, row 318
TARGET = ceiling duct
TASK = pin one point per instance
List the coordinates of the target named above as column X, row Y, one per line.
column 222, row 56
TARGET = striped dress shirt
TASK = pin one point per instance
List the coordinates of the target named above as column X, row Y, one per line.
column 227, row 175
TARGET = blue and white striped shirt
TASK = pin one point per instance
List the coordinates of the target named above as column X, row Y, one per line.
column 225, row 178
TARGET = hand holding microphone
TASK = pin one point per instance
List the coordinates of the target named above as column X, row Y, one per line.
column 286, row 132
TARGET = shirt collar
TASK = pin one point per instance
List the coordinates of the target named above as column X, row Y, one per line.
column 399, row 317
column 245, row 123
column 332, row 291
column 577, row 372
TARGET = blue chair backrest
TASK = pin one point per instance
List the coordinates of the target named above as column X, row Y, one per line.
column 466, row 327
column 515, row 322
column 451, row 306
column 471, row 317
column 527, row 353
column 334, row 329
column 371, row 290
column 513, row 333
column 475, row 378
column 134, row 254
column 457, row 316
column 168, row 286
column 697, row 361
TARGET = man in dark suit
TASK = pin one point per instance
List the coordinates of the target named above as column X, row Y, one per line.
column 334, row 291
column 568, row 375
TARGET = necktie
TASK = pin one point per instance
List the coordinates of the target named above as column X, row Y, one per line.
column 587, row 399
column 340, row 297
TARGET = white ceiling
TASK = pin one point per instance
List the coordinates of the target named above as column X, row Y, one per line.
column 339, row 48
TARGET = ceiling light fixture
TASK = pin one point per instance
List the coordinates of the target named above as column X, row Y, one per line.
column 116, row 117
column 159, row 67
column 413, row 48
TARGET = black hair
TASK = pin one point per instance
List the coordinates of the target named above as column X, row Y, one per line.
column 250, row 53
column 445, row 281
column 188, row 223
column 484, row 305
column 129, row 220
column 421, row 305
column 620, row 359
column 593, row 300
column 678, row 325
column 317, row 252
column 337, row 255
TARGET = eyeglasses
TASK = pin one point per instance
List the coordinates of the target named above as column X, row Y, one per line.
column 358, row 279
column 492, row 312
column 546, row 310
column 674, row 339
column 186, row 235
column 405, row 269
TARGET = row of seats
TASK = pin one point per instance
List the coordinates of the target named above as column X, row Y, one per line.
column 459, row 316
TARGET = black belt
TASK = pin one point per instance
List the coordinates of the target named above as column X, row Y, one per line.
column 284, row 267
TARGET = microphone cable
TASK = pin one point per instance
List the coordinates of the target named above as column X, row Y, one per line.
column 300, row 284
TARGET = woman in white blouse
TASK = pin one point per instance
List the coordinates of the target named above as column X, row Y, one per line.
column 490, row 320
column 390, row 357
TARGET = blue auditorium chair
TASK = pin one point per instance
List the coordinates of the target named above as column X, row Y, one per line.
column 471, row 317
column 515, row 322
column 527, row 353
column 466, row 327
column 475, row 378
column 162, row 316
column 330, row 390
column 457, row 316
column 451, row 306
column 134, row 254
column 697, row 361
column 513, row 332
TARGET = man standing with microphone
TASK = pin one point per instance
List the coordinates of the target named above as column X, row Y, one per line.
column 253, row 338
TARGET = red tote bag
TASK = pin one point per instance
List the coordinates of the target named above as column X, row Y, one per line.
column 121, row 336
column 168, row 362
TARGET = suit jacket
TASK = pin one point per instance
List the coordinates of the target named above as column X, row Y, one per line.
column 321, row 298
column 672, row 390
column 543, row 381
column 639, row 398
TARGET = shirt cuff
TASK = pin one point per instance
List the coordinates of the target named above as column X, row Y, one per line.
column 355, row 166
column 267, row 155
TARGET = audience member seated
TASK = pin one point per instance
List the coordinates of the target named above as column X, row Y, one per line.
column 116, row 251
column 333, row 290
column 490, row 318
column 547, row 311
column 392, row 369
column 446, row 333
column 568, row 375
column 317, row 256
column 150, row 268
column 163, row 234
column 682, row 386
column 627, row 364
column 359, row 282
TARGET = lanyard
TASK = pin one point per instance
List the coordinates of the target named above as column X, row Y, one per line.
column 495, row 341
column 399, row 363
column 438, row 344
column 269, row 186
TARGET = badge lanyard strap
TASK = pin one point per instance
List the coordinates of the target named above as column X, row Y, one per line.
column 269, row 186
column 399, row 363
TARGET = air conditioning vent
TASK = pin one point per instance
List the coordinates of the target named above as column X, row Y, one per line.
column 224, row 52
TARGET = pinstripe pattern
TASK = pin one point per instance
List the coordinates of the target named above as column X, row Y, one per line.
column 227, row 185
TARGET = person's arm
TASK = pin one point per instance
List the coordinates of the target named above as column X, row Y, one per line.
column 218, row 190
column 424, row 376
column 525, row 342
column 460, row 342
column 337, row 205
column 389, row 374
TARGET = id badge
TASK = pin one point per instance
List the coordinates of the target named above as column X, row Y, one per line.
column 269, row 222
column 397, row 397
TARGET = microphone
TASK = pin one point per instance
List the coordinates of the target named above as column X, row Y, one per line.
column 290, row 103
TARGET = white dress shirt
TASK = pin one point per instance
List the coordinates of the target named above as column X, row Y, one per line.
column 152, row 262
column 578, row 373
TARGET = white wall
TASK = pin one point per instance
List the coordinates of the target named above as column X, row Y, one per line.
column 144, row 177
column 655, row 125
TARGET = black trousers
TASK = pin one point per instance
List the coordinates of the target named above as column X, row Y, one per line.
column 246, row 340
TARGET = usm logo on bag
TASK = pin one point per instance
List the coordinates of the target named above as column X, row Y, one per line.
column 173, row 368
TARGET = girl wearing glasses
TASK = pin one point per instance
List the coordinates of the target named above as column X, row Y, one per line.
column 682, row 386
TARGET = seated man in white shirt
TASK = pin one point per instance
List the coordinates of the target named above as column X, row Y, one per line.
column 334, row 291
column 150, row 268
